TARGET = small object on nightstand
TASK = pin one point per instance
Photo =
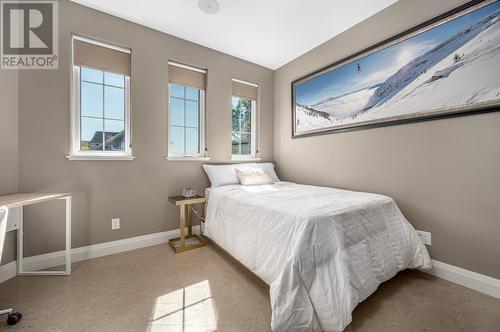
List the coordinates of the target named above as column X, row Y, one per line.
column 189, row 241
column 188, row 192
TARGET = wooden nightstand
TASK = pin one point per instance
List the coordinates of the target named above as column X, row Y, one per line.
column 189, row 241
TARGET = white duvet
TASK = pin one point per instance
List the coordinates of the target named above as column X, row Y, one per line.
column 321, row 250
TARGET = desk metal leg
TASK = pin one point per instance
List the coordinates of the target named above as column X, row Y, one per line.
column 67, row 250
column 20, row 245
column 68, row 235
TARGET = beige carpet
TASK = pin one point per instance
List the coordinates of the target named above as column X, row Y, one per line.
column 153, row 289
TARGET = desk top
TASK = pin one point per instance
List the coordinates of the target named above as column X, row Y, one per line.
column 17, row 200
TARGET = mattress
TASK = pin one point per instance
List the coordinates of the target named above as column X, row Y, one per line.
column 321, row 250
column 207, row 193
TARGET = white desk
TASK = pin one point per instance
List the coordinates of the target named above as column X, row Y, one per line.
column 19, row 201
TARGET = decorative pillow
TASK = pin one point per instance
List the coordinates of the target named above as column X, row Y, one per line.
column 266, row 167
column 223, row 175
column 252, row 176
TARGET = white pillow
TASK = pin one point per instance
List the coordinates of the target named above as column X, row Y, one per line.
column 220, row 175
column 223, row 175
column 253, row 176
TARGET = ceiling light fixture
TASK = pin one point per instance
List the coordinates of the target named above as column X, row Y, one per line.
column 209, row 6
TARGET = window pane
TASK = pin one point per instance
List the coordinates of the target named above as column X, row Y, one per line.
column 236, row 148
column 192, row 112
column 242, row 103
column 184, row 116
column 192, row 93
column 176, row 91
column 192, row 140
column 91, row 75
column 235, row 121
column 114, row 79
column 245, row 144
column 114, row 135
column 91, row 100
column 177, row 112
column 234, row 102
column 236, row 138
column 241, row 126
column 246, row 120
column 177, row 140
column 91, row 134
column 102, row 110
column 114, row 107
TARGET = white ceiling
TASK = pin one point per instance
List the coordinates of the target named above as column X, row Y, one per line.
column 270, row 33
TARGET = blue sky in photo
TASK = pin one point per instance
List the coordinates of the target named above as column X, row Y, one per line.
column 377, row 67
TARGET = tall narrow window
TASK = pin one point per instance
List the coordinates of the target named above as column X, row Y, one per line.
column 186, row 111
column 244, row 120
column 101, row 100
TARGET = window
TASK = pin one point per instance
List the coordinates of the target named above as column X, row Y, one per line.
column 101, row 101
column 186, row 114
column 244, row 120
column 242, row 126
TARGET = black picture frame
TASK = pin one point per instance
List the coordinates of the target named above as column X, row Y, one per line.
column 481, row 109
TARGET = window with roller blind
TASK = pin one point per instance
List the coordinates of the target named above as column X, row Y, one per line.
column 100, row 101
column 186, row 111
column 244, row 120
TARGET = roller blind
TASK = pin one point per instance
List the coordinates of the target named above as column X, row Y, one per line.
column 180, row 74
column 107, row 59
column 245, row 90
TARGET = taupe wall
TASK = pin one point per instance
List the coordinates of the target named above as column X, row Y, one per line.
column 8, row 147
column 444, row 174
column 135, row 191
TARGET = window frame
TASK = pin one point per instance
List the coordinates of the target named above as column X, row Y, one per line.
column 254, row 141
column 76, row 153
column 201, row 155
column 201, row 126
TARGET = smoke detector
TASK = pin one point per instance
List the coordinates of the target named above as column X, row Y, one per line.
column 209, row 6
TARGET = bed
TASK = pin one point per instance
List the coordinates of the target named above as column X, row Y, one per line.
column 321, row 250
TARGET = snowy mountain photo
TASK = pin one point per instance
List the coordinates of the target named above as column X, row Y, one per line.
column 454, row 66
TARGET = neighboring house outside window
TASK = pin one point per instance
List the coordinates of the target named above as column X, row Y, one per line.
column 244, row 120
column 186, row 112
column 101, row 101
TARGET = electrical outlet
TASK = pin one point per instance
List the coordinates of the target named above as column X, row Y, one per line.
column 426, row 237
column 115, row 224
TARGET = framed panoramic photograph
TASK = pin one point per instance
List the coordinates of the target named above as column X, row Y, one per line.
column 445, row 67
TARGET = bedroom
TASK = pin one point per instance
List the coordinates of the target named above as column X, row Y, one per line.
column 440, row 176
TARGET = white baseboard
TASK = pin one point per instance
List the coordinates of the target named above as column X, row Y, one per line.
column 457, row 275
column 52, row 259
column 479, row 282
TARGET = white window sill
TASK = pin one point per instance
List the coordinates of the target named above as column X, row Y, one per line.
column 95, row 157
column 244, row 158
column 187, row 158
